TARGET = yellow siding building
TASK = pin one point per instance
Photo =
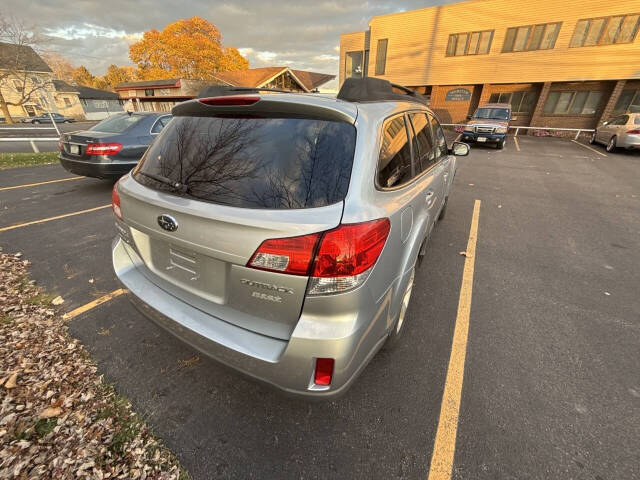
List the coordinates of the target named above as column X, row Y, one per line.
column 560, row 64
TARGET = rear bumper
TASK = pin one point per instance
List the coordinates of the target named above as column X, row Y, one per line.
column 106, row 170
column 468, row 136
column 631, row 142
column 352, row 340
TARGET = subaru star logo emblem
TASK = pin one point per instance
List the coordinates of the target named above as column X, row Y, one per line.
column 167, row 222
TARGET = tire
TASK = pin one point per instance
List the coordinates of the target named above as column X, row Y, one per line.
column 592, row 140
column 67, row 121
column 36, row 122
column 398, row 326
column 443, row 212
column 611, row 146
column 500, row 145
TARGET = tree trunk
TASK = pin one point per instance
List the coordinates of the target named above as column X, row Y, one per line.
column 5, row 110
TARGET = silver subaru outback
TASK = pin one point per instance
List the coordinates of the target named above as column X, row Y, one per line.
column 278, row 233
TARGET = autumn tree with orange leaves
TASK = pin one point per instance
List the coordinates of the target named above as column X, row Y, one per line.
column 188, row 48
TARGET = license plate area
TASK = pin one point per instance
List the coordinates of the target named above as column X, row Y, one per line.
column 482, row 139
column 74, row 149
column 190, row 270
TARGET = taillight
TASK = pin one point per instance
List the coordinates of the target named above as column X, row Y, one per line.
column 286, row 255
column 115, row 201
column 350, row 249
column 60, row 146
column 342, row 261
column 634, row 132
column 103, row 148
column 234, row 100
column 324, row 371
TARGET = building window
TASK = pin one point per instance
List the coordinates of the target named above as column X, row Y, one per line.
column 67, row 102
column 605, row 31
column 473, row 43
column 572, row 103
column 353, row 64
column 381, row 56
column 148, row 92
column 629, row 102
column 531, row 37
column 521, row 102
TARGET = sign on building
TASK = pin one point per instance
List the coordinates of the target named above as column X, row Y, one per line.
column 458, row 95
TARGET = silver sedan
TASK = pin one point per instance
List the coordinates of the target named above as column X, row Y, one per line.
column 622, row 131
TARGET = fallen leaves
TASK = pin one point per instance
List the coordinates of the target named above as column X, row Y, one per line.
column 57, row 417
column 12, row 382
column 57, row 301
column 51, row 412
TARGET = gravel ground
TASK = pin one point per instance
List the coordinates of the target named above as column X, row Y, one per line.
column 58, row 419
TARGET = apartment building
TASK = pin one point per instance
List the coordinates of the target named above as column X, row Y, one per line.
column 559, row 64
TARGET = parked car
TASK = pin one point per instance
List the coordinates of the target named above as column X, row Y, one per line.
column 112, row 147
column 45, row 118
column 279, row 233
column 622, row 131
column 489, row 124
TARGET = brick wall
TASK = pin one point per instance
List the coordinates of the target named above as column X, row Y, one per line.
column 573, row 121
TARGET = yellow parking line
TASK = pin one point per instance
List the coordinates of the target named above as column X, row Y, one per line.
column 587, row 146
column 20, row 225
column 95, row 303
column 515, row 139
column 445, row 443
column 40, row 183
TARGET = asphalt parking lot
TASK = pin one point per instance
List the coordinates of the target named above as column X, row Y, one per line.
column 551, row 380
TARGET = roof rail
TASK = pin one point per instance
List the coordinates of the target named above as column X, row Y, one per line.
column 370, row 89
column 223, row 90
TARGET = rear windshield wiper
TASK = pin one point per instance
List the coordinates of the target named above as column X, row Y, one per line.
column 176, row 186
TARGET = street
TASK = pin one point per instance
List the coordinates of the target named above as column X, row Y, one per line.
column 27, row 130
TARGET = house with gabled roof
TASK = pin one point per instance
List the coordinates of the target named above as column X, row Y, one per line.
column 162, row 95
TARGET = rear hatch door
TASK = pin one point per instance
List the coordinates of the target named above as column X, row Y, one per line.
column 245, row 178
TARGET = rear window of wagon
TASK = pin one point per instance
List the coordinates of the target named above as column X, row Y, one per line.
column 269, row 163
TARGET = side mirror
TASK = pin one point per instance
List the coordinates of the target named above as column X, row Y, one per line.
column 469, row 117
column 459, row 149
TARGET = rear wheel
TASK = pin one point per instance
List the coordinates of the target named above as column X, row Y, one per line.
column 611, row 146
column 398, row 326
column 36, row 122
column 592, row 140
column 67, row 121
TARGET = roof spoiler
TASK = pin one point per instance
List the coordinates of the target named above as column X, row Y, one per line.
column 246, row 102
column 370, row 89
column 224, row 90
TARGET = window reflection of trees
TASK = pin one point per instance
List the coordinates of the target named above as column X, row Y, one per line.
column 255, row 162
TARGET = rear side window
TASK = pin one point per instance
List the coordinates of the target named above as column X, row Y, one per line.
column 117, row 124
column 426, row 155
column 394, row 166
column 275, row 163
column 440, row 140
column 160, row 124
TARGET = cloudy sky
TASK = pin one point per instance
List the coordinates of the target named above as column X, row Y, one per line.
column 302, row 34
